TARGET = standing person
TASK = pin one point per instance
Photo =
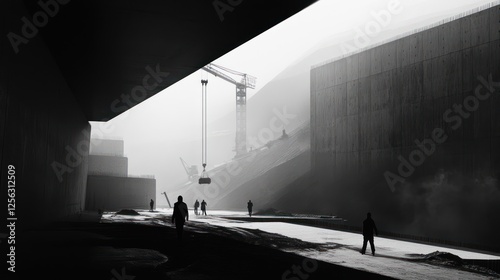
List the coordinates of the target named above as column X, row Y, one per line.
column 368, row 229
column 196, row 205
column 180, row 216
column 249, row 206
column 203, row 207
column 151, row 204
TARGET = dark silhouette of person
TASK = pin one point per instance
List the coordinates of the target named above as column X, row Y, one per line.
column 368, row 229
column 151, row 204
column 249, row 206
column 196, row 205
column 180, row 216
column 203, row 207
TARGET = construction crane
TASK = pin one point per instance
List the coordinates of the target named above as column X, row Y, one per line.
column 247, row 81
column 204, row 178
column 191, row 171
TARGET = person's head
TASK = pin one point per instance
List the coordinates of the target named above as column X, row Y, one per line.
column 368, row 215
column 179, row 198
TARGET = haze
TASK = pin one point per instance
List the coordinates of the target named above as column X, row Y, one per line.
column 168, row 126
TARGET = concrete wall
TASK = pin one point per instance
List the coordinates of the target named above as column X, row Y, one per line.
column 43, row 132
column 108, row 165
column 115, row 193
column 368, row 109
column 107, row 147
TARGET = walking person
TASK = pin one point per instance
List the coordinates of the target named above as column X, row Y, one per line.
column 196, row 205
column 180, row 216
column 368, row 229
column 203, row 208
column 151, row 204
column 249, row 206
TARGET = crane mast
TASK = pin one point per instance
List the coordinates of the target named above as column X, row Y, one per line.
column 247, row 81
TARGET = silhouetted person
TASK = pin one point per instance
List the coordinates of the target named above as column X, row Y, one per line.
column 203, row 207
column 180, row 216
column 249, row 206
column 284, row 135
column 151, row 204
column 196, row 205
column 368, row 229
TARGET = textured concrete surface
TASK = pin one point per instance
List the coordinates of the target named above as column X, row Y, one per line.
column 108, row 165
column 115, row 193
column 43, row 131
column 108, row 147
column 368, row 109
column 384, row 98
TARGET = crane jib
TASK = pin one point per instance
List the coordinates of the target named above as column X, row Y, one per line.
column 247, row 81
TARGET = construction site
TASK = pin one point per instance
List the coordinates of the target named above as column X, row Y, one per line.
column 404, row 129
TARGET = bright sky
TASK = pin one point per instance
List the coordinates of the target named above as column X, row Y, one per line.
column 174, row 114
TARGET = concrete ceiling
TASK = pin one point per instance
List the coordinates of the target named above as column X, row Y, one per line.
column 104, row 47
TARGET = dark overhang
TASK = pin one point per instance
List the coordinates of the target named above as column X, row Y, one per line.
column 107, row 48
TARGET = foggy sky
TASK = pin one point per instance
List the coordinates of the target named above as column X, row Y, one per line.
column 168, row 125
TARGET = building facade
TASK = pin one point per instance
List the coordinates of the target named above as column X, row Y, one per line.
column 410, row 128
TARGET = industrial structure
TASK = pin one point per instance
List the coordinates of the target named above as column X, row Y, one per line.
column 262, row 173
column 109, row 186
column 247, row 81
column 191, row 170
column 410, row 123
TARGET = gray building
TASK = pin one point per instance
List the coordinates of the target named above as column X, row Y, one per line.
column 109, row 186
column 410, row 129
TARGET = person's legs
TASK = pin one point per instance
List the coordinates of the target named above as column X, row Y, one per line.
column 365, row 240
column 372, row 245
column 180, row 228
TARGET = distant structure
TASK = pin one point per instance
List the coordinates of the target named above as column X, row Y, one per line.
column 247, row 81
column 191, row 170
column 284, row 135
column 109, row 186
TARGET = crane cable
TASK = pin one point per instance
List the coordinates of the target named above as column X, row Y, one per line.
column 204, row 123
